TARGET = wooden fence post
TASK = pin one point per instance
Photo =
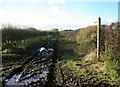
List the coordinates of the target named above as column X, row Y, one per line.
column 98, row 37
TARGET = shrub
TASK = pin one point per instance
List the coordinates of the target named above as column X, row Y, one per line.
column 87, row 38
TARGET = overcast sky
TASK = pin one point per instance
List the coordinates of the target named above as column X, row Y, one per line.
column 47, row 14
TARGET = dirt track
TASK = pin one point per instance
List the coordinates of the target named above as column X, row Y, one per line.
column 54, row 76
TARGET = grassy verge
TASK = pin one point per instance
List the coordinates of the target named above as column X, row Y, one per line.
column 103, row 71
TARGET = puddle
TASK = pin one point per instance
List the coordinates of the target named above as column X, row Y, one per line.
column 12, row 81
column 27, row 79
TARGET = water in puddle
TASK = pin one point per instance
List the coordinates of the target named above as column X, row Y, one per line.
column 36, row 77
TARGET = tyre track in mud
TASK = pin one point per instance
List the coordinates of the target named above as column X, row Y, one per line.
column 30, row 67
column 33, row 64
column 26, row 66
column 54, row 78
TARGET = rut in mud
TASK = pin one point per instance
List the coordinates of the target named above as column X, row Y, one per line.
column 29, row 73
column 29, row 70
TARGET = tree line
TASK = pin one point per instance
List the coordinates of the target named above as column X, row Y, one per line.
column 16, row 37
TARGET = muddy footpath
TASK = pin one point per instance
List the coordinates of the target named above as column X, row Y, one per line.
column 30, row 71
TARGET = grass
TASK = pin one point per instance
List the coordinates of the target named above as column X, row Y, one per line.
column 104, row 70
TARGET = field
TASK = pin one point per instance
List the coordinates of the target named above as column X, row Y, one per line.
column 74, row 62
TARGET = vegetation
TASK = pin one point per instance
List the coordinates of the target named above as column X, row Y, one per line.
column 87, row 38
column 20, row 41
column 76, row 51
column 85, row 64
